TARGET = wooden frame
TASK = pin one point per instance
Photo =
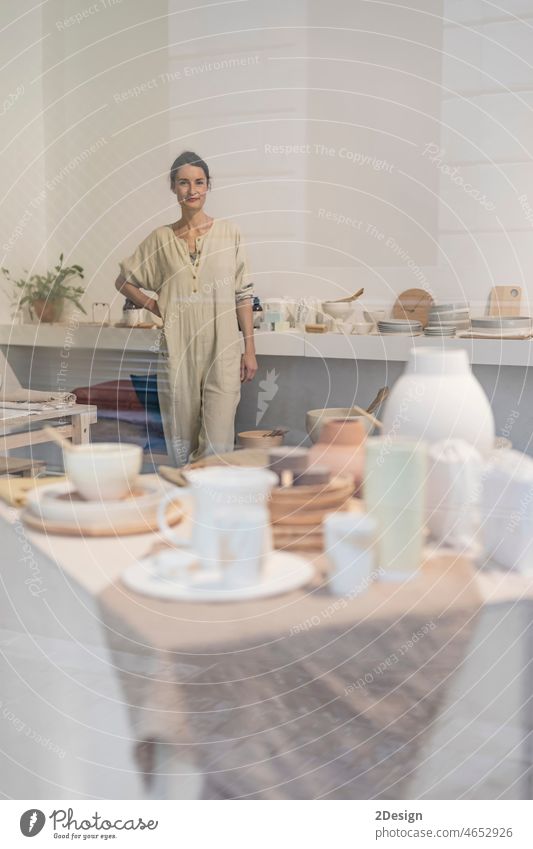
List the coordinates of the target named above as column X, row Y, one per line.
column 20, row 432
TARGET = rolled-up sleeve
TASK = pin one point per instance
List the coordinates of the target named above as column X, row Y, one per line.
column 144, row 267
column 244, row 288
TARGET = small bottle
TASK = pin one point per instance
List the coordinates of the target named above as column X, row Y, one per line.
column 131, row 314
column 257, row 310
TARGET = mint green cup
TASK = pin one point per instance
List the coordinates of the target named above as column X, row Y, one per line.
column 394, row 494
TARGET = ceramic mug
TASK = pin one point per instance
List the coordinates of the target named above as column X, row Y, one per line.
column 394, row 494
column 241, row 546
column 215, row 492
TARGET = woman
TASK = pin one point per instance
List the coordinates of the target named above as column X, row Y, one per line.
column 197, row 266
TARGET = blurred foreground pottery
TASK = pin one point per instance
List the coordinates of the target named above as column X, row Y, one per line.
column 437, row 398
column 316, row 419
column 340, row 448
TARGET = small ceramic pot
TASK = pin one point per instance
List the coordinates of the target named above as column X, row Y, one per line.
column 259, row 439
column 340, row 448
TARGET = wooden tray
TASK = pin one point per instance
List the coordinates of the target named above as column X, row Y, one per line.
column 297, row 518
column 492, row 336
column 47, row 526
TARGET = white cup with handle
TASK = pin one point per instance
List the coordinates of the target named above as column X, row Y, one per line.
column 219, row 492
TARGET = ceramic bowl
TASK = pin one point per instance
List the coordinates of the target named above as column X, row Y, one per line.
column 103, row 471
column 361, row 328
column 259, row 439
column 337, row 310
column 314, row 419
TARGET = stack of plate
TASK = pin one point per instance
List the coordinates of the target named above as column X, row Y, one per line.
column 439, row 330
column 57, row 508
column 297, row 512
column 453, row 316
column 399, row 325
column 501, row 327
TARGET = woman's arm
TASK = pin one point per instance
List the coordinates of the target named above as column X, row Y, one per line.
column 134, row 294
column 245, row 317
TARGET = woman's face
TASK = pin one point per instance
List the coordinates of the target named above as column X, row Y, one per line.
column 190, row 185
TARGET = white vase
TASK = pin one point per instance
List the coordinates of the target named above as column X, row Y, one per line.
column 437, row 398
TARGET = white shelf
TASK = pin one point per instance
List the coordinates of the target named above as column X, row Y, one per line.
column 493, row 352
column 81, row 337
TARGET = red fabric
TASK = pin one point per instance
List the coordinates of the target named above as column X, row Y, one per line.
column 110, row 395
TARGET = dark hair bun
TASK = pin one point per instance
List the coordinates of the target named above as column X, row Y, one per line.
column 188, row 158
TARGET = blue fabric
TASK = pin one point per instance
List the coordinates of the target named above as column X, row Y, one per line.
column 145, row 386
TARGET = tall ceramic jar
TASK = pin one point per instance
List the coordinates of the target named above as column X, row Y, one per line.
column 437, row 398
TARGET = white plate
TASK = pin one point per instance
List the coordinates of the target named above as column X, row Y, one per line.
column 59, row 502
column 282, row 572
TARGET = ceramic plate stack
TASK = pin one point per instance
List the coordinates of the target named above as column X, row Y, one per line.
column 502, row 327
column 58, row 509
column 439, row 330
column 448, row 319
column 297, row 513
column 394, row 326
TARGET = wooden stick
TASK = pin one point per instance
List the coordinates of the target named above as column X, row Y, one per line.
column 56, row 436
column 349, row 299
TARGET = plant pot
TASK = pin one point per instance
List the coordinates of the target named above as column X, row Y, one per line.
column 437, row 398
column 48, row 310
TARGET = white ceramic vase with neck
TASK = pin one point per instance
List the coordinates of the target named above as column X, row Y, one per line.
column 437, row 398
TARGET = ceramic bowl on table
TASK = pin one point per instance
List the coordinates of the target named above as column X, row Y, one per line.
column 453, row 306
column 362, row 328
column 337, row 310
column 259, row 439
column 501, row 326
column 103, row 471
column 374, row 315
column 315, row 419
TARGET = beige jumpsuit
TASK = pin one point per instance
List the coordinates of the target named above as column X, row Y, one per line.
column 199, row 362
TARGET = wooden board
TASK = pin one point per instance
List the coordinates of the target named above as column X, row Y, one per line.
column 505, row 300
column 414, row 305
column 46, row 526
column 144, row 325
column 491, row 336
column 20, row 466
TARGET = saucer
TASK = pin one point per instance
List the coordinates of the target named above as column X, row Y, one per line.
column 58, row 508
column 281, row 573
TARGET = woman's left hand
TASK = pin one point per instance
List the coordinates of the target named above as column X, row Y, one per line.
column 248, row 367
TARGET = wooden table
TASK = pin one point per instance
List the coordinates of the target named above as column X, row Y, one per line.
column 74, row 423
column 306, row 695
column 26, row 468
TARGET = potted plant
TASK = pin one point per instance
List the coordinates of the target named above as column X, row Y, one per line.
column 45, row 294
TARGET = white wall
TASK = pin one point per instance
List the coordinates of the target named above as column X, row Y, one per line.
column 305, row 111
column 22, row 211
